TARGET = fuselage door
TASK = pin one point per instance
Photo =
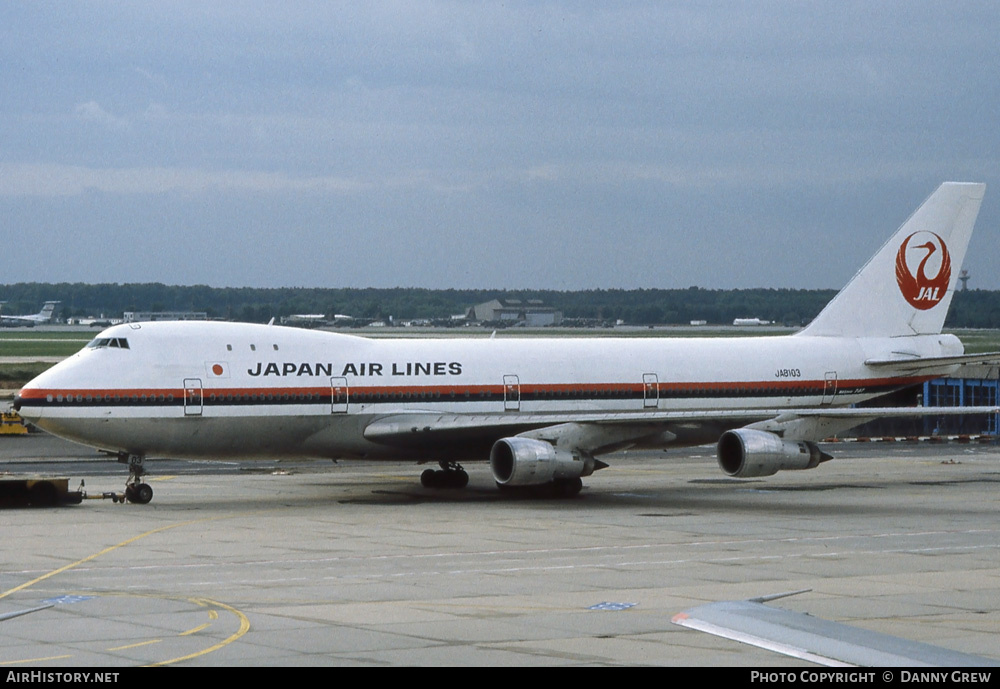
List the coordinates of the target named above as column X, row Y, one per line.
column 511, row 393
column 650, row 391
column 193, row 397
column 338, row 395
column 829, row 387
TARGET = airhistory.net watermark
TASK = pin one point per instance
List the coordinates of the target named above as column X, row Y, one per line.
column 50, row 677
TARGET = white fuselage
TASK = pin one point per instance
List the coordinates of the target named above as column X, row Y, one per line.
column 225, row 389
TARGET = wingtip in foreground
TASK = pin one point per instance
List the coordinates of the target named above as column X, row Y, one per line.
column 802, row 636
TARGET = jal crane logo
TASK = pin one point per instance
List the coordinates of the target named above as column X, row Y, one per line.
column 921, row 291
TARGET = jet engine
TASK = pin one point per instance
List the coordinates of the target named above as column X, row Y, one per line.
column 529, row 462
column 746, row 453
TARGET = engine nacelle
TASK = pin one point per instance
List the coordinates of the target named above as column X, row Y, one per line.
column 746, row 453
column 529, row 462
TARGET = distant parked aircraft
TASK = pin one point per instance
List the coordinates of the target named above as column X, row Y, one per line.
column 31, row 320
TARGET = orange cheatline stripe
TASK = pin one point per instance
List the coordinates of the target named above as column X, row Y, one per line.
column 36, row 393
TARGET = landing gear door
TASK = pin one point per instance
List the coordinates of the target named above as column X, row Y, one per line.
column 829, row 387
column 339, row 394
column 511, row 393
column 193, row 397
column 650, row 391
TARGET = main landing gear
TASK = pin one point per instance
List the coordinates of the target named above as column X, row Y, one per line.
column 566, row 488
column 451, row 475
column 135, row 490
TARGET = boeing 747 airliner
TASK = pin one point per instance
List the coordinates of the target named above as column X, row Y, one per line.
column 540, row 410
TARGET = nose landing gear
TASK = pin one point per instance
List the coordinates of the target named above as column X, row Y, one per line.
column 135, row 490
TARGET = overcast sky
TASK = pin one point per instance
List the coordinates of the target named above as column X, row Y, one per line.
column 557, row 145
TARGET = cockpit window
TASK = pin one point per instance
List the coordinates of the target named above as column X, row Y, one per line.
column 117, row 342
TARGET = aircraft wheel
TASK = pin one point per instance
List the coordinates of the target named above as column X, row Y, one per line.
column 43, row 494
column 567, row 488
column 452, row 479
column 140, row 493
column 444, row 479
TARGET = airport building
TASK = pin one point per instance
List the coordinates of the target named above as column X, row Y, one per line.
column 977, row 386
column 532, row 313
column 146, row 316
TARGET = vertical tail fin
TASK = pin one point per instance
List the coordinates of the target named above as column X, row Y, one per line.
column 47, row 309
column 907, row 286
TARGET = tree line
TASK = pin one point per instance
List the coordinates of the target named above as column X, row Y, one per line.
column 972, row 309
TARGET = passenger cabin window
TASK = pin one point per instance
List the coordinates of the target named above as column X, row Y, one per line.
column 253, row 348
column 117, row 342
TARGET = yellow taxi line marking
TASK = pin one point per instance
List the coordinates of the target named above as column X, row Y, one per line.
column 204, row 602
column 66, row 568
column 196, row 629
column 33, row 660
column 244, row 628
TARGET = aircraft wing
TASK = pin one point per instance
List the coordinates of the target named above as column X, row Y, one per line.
column 409, row 424
column 409, row 429
column 929, row 362
column 603, row 431
column 817, row 640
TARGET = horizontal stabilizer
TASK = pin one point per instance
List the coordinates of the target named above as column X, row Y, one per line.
column 919, row 363
column 890, row 412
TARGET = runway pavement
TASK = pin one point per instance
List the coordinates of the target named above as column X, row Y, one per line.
column 357, row 564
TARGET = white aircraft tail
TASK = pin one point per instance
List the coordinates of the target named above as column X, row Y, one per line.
column 907, row 286
column 47, row 310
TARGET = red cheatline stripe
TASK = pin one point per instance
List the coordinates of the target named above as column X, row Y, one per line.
column 525, row 389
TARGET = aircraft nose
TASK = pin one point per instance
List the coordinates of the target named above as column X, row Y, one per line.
column 28, row 412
